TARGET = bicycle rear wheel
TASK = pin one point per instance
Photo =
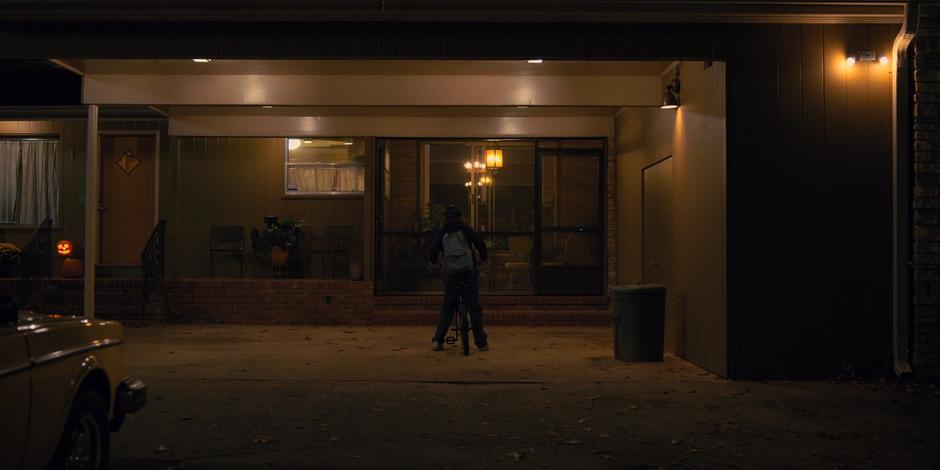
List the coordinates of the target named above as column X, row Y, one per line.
column 463, row 316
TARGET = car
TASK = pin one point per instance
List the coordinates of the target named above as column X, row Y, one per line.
column 64, row 387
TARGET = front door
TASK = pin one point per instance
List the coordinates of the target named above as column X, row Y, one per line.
column 569, row 244
column 126, row 202
column 657, row 221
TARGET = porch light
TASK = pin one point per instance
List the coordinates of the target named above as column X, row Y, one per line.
column 850, row 60
column 494, row 159
column 202, row 61
column 534, row 61
column 64, row 248
column 883, row 60
column 866, row 56
column 294, row 144
column 671, row 95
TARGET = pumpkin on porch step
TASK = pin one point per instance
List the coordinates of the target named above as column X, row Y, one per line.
column 72, row 268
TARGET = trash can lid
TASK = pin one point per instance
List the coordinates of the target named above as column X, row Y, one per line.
column 637, row 288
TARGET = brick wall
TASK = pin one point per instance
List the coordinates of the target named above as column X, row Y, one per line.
column 926, row 193
column 289, row 301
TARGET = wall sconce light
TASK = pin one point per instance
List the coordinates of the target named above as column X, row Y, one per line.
column 866, row 56
column 494, row 159
column 671, row 95
column 294, row 144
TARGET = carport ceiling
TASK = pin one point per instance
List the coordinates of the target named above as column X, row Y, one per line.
column 168, row 83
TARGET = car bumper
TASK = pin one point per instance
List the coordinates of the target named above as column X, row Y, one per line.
column 132, row 396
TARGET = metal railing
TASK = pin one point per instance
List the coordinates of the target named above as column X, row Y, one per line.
column 36, row 261
column 153, row 259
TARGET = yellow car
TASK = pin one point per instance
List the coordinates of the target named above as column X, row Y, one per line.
column 63, row 389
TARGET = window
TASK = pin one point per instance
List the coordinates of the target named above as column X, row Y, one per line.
column 324, row 166
column 29, row 180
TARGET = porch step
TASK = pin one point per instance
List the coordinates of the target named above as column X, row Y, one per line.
column 118, row 271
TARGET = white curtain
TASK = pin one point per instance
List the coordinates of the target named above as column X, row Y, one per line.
column 29, row 181
column 316, row 179
column 9, row 175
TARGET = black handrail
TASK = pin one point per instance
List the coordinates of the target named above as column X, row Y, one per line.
column 36, row 257
column 153, row 258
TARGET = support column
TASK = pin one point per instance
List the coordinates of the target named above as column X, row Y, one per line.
column 92, row 163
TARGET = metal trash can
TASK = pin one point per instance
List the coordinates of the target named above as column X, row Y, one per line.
column 639, row 316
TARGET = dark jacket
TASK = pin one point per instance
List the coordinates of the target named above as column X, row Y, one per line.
column 452, row 226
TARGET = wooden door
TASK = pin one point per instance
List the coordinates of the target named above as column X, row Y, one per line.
column 657, row 222
column 126, row 202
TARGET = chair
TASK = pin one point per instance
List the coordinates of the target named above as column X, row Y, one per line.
column 520, row 247
column 336, row 242
column 228, row 240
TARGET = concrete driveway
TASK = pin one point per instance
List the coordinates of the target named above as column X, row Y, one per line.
column 377, row 397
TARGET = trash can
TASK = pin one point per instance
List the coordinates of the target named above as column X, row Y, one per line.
column 639, row 313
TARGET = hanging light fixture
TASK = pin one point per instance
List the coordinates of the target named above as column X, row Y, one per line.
column 494, row 159
column 671, row 95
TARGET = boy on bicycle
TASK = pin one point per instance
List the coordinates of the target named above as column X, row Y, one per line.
column 460, row 276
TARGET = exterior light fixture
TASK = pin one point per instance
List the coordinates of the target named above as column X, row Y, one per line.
column 202, row 61
column 294, row 144
column 866, row 56
column 534, row 61
column 267, row 106
column 348, row 142
column 468, row 166
column 671, row 95
column 494, row 159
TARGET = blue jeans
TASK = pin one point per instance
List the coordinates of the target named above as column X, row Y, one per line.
column 471, row 297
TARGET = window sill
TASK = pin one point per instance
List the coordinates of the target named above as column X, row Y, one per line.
column 323, row 196
column 25, row 227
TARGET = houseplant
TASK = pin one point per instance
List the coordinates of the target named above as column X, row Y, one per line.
column 9, row 257
column 280, row 239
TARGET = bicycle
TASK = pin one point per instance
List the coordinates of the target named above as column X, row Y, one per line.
column 462, row 321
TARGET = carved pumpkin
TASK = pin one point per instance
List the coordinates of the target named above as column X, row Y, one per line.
column 72, row 268
column 64, row 247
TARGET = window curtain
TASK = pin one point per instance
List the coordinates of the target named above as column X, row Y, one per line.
column 327, row 179
column 29, row 181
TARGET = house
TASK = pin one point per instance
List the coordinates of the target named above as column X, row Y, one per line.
column 776, row 202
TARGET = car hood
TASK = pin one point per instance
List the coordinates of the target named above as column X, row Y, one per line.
column 51, row 336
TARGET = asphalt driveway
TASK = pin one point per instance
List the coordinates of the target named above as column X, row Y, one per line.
column 377, row 397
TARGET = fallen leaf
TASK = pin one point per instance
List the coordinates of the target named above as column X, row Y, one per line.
column 334, row 440
column 162, row 448
column 515, row 455
column 572, row 442
column 262, row 440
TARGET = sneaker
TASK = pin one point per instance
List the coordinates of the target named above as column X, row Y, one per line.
column 437, row 346
column 483, row 348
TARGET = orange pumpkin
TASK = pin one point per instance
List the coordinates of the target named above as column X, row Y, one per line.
column 72, row 268
column 64, row 247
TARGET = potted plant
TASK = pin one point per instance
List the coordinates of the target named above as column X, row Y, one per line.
column 9, row 257
column 280, row 239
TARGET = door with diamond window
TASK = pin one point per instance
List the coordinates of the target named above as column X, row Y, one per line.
column 126, row 203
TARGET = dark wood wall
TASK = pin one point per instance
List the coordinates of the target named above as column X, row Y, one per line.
column 809, row 194
column 239, row 181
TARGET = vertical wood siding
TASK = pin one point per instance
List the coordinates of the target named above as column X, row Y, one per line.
column 694, row 136
column 809, row 231
column 239, row 181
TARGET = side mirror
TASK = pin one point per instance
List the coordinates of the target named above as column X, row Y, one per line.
column 9, row 312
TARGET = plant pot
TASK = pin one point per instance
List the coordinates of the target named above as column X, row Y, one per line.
column 279, row 255
column 72, row 268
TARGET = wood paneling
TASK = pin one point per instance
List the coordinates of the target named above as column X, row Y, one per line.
column 809, row 201
column 239, row 181
column 694, row 137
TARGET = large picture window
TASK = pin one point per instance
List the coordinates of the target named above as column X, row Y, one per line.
column 29, row 180
column 538, row 205
column 324, row 166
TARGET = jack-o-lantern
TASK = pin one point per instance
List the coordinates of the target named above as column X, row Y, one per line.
column 64, row 247
column 72, row 268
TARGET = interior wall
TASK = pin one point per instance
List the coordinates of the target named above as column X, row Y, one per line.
column 239, row 181
column 694, row 136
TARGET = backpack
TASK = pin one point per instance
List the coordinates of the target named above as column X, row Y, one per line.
column 458, row 256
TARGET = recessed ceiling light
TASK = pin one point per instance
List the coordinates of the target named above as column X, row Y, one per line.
column 267, row 106
column 348, row 142
column 534, row 61
column 202, row 61
column 522, row 107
